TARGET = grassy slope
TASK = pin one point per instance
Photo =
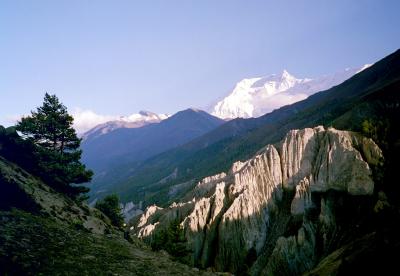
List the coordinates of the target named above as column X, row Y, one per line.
column 38, row 245
column 52, row 235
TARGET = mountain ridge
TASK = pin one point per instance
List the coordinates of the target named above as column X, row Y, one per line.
column 253, row 97
column 133, row 121
column 238, row 139
column 132, row 145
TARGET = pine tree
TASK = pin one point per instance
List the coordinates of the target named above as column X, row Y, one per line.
column 177, row 242
column 173, row 240
column 50, row 129
column 110, row 207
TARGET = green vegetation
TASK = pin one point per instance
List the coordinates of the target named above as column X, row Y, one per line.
column 17, row 150
column 173, row 241
column 43, row 232
column 385, row 131
column 110, row 207
column 377, row 130
column 49, row 147
column 35, row 245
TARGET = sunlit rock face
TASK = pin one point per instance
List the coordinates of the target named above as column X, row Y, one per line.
column 231, row 218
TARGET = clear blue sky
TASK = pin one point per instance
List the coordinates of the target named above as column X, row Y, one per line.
column 118, row 57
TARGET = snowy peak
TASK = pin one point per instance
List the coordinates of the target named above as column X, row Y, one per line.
column 364, row 67
column 242, row 101
column 132, row 121
column 142, row 116
column 278, row 81
column 253, row 97
column 147, row 113
column 285, row 75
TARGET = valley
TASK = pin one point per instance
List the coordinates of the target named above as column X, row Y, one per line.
column 345, row 106
column 276, row 173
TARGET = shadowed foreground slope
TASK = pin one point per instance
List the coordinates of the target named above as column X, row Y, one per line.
column 44, row 232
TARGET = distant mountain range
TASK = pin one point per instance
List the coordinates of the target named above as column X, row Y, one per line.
column 133, row 121
column 254, row 97
column 160, row 161
column 251, row 97
column 167, row 176
column 106, row 148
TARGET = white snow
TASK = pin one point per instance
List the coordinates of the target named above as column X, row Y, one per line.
column 93, row 123
column 253, row 97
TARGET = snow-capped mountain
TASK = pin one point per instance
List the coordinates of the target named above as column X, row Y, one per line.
column 133, row 121
column 254, row 97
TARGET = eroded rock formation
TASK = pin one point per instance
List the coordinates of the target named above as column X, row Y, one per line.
column 278, row 211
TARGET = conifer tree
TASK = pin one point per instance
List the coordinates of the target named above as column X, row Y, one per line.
column 173, row 240
column 50, row 129
column 110, row 207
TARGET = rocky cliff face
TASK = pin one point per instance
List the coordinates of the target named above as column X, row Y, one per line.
column 282, row 210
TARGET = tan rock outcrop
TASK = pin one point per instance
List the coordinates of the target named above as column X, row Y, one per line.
column 233, row 214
